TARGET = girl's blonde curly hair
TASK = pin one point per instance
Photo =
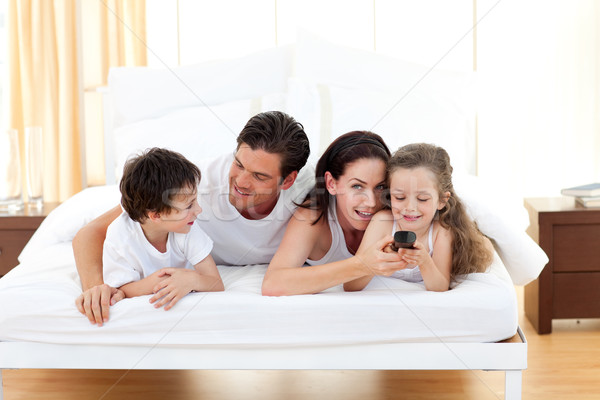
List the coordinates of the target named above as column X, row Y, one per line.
column 469, row 250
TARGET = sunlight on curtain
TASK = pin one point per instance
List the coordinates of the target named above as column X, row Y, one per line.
column 113, row 34
column 43, row 87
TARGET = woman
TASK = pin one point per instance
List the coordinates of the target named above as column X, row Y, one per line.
column 327, row 228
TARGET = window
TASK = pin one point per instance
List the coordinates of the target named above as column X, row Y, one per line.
column 3, row 66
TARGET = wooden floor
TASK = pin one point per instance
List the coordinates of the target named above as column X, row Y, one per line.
column 562, row 365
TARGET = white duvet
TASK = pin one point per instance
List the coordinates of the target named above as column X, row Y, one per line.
column 37, row 303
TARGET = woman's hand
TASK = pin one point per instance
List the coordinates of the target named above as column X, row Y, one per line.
column 377, row 259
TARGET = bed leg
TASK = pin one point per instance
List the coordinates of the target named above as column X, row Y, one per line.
column 512, row 385
column 1, row 386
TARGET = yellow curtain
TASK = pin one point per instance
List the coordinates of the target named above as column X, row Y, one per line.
column 44, row 88
column 114, row 34
column 44, row 71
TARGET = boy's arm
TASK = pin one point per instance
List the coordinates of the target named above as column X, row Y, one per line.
column 97, row 297
column 210, row 279
column 178, row 282
column 142, row 287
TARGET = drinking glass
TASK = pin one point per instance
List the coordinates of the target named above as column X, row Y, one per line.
column 34, row 165
column 11, row 191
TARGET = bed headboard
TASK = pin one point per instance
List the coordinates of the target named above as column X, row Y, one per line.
column 199, row 109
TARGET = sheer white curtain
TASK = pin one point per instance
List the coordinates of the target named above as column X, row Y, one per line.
column 539, row 76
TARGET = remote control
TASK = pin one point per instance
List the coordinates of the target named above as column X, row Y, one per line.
column 403, row 240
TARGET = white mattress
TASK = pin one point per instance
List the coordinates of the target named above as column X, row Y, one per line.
column 38, row 306
column 37, row 303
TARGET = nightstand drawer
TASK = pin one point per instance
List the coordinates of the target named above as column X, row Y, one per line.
column 576, row 294
column 569, row 286
column 11, row 244
column 576, row 248
column 16, row 228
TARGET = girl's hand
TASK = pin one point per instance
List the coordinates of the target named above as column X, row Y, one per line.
column 418, row 255
column 174, row 284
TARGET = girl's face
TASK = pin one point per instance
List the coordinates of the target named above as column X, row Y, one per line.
column 415, row 198
column 358, row 192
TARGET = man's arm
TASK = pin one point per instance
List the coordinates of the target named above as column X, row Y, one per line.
column 97, row 297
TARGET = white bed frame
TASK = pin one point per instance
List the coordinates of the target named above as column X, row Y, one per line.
column 508, row 356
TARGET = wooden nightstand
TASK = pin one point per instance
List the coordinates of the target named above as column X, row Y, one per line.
column 569, row 285
column 16, row 228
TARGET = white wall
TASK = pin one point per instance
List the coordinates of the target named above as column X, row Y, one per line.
column 537, row 64
column 419, row 31
column 538, row 111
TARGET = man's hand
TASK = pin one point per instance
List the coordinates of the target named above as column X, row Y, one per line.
column 95, row 302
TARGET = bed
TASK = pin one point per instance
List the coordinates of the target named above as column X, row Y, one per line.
column 391, row 325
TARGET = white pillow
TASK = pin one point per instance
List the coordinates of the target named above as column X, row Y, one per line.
column 502, row 217
column 319, row 61
column 141, row 92
column 196, row 132
column 61, row 225
column 328, row 110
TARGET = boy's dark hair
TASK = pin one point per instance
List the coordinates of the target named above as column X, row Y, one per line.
column 151, row 180
column 277, row 133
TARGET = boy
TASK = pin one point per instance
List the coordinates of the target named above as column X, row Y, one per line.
column 150, row 247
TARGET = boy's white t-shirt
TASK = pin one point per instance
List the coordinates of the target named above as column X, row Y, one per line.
column 129, row 257
column 237, row 240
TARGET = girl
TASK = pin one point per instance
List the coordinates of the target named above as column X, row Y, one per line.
column 328, row 227
column 422, row 200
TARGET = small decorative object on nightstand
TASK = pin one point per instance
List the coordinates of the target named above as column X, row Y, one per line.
column 16, row 228
column 569, row 285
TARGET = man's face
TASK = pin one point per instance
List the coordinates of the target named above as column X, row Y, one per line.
column 254, row 181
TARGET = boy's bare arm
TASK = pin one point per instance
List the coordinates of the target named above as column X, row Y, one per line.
column 144, row 286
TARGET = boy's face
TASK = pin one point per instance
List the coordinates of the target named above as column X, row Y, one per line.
column 184, row 209
column 254, row 181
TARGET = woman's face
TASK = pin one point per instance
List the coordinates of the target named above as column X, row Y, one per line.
column 358, row 192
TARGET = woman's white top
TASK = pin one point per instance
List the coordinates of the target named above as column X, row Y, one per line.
column 413, row 274
column 338, row 250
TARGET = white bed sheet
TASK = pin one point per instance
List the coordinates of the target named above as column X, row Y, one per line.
column 37, row 304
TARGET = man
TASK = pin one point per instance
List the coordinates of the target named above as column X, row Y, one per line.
column 247, row 199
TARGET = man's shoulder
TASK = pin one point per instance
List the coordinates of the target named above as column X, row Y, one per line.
column 304, row 181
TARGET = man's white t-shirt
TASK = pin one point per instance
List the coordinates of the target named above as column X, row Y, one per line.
column 129, row 257
column 237, row 240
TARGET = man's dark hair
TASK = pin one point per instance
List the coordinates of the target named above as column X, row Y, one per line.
column 277, row 133
column 151, row 180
